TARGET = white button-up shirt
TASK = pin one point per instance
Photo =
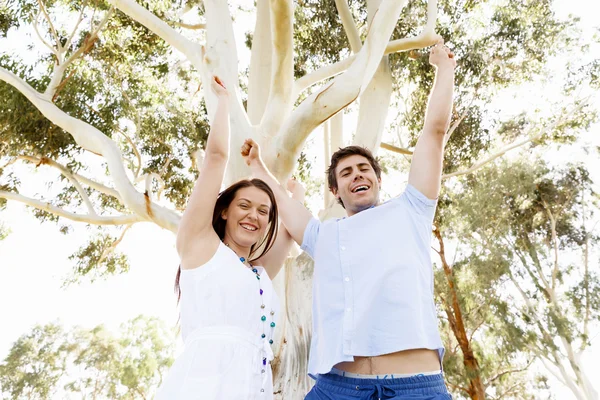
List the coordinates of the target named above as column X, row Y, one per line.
column 373, row 282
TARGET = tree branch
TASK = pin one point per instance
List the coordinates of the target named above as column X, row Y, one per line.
column 259, row 81
column 113, row 246
column 138, row 125
column 56, row 83
column 499, row 154
column 201, row 25
column 86, row 181
column 69, row 175
column 279, row 102
column 79, row 19
column 374, row 104
column 554, row 242
column 458, row 387
column 511, row 371
column 515, row 145
column 48, row 45
column 425, row 39
column 191, row 50
column 395, row 149
column 91, row 139
column 52, row 29
column 343, row 90
column 147, row 178
column 87, row 218
column 221, row 59
column 349, row 25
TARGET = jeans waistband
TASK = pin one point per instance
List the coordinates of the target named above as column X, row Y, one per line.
column 384, row 388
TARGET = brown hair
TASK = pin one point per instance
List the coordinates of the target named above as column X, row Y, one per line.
column 224, row 200
column 347, row 152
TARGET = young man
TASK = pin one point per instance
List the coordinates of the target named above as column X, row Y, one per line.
column 375, row 330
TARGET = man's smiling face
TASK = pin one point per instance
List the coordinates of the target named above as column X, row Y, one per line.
column 357, row 184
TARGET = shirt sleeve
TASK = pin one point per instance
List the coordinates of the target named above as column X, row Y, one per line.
column 310, row 236
column 420, row 203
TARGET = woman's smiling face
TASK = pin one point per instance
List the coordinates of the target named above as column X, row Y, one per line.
column 247, row 217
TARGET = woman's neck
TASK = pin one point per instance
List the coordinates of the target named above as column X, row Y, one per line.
column 241, row 251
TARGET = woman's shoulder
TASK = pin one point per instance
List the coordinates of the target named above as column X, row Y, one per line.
column 203, row 253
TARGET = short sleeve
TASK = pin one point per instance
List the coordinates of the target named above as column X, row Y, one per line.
column 420, row 203
column 310, row 236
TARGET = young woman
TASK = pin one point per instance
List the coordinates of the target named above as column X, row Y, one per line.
column 229, row 248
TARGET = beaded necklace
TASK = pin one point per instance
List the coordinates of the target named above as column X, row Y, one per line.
column 263, row 318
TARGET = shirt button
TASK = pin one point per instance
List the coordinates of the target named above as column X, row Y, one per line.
column 343, row 247
column 347, row 279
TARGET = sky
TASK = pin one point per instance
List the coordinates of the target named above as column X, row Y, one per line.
column 34, row 262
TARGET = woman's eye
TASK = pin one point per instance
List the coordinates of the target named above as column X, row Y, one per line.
column 244, row 206
column 263, row 212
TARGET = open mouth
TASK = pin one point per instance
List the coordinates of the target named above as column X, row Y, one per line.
column 361, row 188
column 248, row 227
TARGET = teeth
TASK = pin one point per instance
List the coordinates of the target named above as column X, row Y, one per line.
column 248, row 227
column 360, row 188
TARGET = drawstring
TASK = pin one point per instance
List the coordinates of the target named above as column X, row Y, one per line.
column 379, row 392
column 384, row 392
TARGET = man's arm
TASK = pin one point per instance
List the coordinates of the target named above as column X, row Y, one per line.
column 426, row 166
column 274, row 259
column 293, row 214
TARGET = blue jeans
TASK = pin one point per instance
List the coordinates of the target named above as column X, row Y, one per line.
column 336, row 387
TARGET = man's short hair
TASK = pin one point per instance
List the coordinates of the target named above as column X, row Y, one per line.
column 347, row 152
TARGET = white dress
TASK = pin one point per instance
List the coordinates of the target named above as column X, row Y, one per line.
column 224, row 355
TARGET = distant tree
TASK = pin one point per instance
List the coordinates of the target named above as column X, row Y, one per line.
column 50, row 362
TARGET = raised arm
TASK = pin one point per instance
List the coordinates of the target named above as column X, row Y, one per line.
column 195, row 228
column 426, row 166
column 293, row 214
column 274, row 259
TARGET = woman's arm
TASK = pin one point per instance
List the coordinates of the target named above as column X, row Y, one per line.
column 195, row 228
column 274, row 259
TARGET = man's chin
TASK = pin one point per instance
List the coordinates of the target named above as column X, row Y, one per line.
column 359, row 206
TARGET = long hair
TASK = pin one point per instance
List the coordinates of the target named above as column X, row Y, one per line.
column 224, row 200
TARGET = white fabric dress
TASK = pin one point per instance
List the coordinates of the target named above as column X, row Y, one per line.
column 224, row 354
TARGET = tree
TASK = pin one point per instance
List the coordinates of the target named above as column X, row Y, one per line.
column 35, row 364
column 109, row 83
column 524, row 265
column 50, row 362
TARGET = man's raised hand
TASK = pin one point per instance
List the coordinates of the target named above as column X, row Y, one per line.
column 441, row 56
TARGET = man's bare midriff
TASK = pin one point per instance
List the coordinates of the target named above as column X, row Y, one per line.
column 401, row 362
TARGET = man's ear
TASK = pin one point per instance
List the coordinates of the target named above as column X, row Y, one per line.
column 334, row 191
